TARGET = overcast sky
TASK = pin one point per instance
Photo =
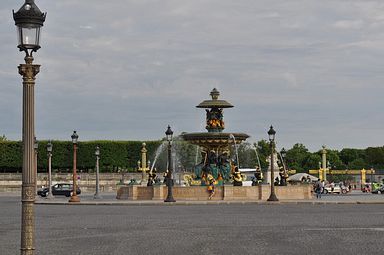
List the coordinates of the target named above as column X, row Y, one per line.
column 125, row 69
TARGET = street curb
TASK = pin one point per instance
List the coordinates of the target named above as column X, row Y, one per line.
column 221, row 202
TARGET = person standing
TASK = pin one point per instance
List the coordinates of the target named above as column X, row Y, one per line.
column 322, row 187
column 318, row 189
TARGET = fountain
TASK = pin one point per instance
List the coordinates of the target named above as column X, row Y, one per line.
column 216, row 166
column 214, row 144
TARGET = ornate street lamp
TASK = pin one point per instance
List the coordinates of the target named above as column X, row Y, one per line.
column 169, row 181
column 97, row 154
column 28, row 19
column 271, row 134
column 74, row 197
column 49, row 150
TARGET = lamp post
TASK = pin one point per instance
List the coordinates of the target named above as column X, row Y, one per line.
column 271, row 134
column 74, row 197
column 169, row 181
column 97, row 154
column 49, row 150
column 28, row 19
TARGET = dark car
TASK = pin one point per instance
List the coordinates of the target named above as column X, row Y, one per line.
column 59, row 189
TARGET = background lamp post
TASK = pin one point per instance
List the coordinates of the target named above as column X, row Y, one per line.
column 49, row 150
column 28, row 19
column 97, row 154
column 169, row 181
column 74, row 197
column 271, row 134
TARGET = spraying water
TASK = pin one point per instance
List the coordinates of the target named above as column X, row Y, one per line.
column 282, row 161
column 257, row 156
column 231, row 136
column 197, row 154
column 157, row 154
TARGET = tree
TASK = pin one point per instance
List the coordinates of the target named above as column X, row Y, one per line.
column 312, row 161
column 334, row 160
column 375, row 157
column 348, row 155
column 247, row 155
column 263, row 150
column 297, row 156
column 358, row 163
column 3, row 138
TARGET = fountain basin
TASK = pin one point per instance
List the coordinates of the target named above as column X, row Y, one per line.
column 226, row 192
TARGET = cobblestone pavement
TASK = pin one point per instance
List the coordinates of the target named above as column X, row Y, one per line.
column 198, row 229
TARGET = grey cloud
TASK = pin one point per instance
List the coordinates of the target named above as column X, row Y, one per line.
column 126, row 69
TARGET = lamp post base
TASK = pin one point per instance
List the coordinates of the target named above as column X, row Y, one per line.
column 74, row 199
column 170, row 193
column 169, row 199
column 272, row 198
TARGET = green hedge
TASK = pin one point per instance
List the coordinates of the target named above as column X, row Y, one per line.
column 114, row 155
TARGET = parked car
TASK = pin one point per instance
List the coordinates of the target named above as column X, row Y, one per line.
column 59, row 189
column 337, row 188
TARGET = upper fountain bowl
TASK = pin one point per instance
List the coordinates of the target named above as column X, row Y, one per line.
column 214, row 140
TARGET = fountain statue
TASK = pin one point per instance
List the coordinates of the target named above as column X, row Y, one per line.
column 215, row 144
column 276, row 168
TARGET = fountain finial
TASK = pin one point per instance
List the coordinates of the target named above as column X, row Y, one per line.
column 215, row 102
column 215, row 94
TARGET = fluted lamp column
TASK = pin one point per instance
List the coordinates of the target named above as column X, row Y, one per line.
column 28, row 20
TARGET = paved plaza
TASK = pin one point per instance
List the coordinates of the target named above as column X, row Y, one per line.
column 285, row 228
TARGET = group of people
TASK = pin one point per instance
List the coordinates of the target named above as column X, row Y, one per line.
column 319, row 187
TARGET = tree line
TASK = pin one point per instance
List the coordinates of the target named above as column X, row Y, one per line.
column 119, row 156
column 301, row 159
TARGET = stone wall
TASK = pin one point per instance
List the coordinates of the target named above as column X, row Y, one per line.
column 87, row 182
column 227, row 192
